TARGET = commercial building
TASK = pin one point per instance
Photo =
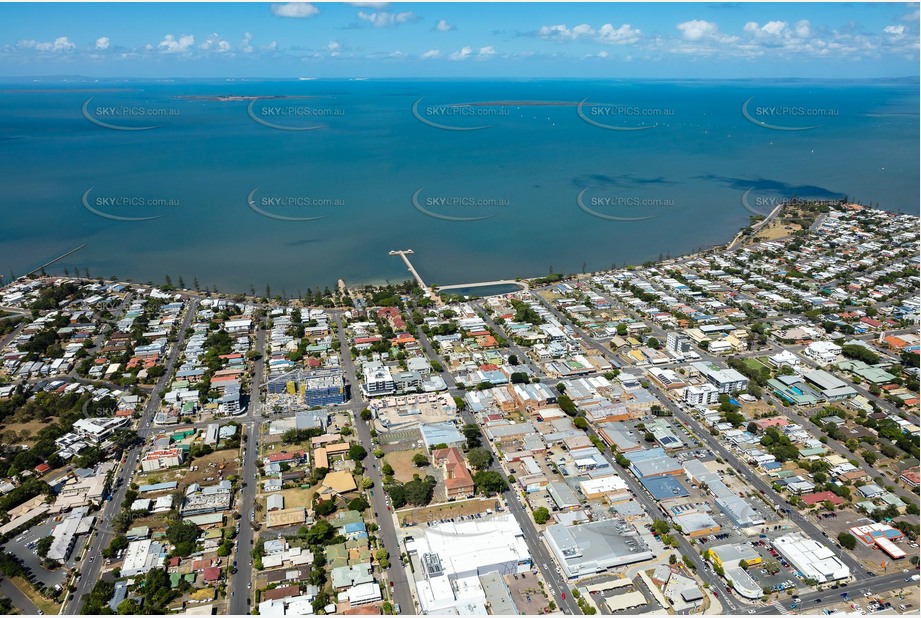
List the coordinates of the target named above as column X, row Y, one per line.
column 725, row 380
column 811, row 558
column 98, row 429
column 613, row 487
column 882, row 536
column 677, row 342
column 595, row 547
column 64, row 535
column 142, row 556
column 705, row 394
column 729, row 558
column 832, row 388
column 377, row 380
column 161, row 459
column 324, row 388
column 442, row 433
column 824, row 352
column 452, row 556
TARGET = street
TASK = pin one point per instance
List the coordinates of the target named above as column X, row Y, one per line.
column 89, row 567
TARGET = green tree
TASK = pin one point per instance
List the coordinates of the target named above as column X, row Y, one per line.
column 324, row 508
column 541, row 515
column 847, row 540
column 420, row 460
column 489, row 482
column 358, row 504
column 44, row 544
column 479, row 458
column 357, row 452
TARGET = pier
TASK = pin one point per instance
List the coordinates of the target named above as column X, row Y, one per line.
column 403, row 253
column 431, row 293
column 57, row 259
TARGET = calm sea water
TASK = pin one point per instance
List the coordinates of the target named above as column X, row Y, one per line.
column 527, row 184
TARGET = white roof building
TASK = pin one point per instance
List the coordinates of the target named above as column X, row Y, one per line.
column 811, row 558
column 141, row 556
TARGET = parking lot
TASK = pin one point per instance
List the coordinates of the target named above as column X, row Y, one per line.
column 23, row 548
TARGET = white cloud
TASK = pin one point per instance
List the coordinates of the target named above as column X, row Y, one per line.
column 432, row 53
column 607, row 33
column 622, row 35
column 444, row 26
column 171, row 44
column 214, row 42
column 102, row 43
column 60, row 44
column 466, row 52
column 334, row 48
column 698, row 29
column 295, row 9
column 896, row 32
column 462, row 54
column 370, row 5
column 384, row 19
column 247, row 44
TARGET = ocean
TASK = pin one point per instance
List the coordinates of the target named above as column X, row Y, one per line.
column 294, row 184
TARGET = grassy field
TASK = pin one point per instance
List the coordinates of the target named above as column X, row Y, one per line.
column 403, row 466
column 296, row 497
column 755, row 364
column 24, row 431
column 49, row 607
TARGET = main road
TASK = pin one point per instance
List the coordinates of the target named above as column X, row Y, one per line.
column 90, row 566
column 396, row 572
column 772, row 497
column 242, row 581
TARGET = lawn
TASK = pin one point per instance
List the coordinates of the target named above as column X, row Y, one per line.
column 49, row 607
column 755, row 364
column 25, row 431
column 296, row 497
column 403, row 466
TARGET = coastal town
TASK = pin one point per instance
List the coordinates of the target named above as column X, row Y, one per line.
column 734, row 431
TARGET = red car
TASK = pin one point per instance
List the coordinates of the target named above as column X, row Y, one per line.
column 564, row 596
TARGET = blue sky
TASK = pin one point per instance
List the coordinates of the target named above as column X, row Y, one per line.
column 404, row 39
